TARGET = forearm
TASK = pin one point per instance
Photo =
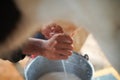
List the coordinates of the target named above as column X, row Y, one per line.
column 33, row 47
column 28, row 49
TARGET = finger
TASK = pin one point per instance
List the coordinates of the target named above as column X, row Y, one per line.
column 56, row 28
column 64, row 52
column 56, row 56
column 64, row 46
column 55, row 31
column 52, row 42
column 59, row 57
column 64, row 38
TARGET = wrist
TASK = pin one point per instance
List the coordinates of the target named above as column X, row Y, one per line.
column 34, row 47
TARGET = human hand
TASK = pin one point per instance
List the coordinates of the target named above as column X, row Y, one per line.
column 58, row 47
column 49, row 30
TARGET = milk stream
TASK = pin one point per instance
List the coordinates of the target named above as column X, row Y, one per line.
column 64, row 69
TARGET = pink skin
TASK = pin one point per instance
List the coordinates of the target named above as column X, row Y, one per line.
column 51, row 29
column 57, row 47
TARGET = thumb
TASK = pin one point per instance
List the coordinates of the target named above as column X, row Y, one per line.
column 52, row 43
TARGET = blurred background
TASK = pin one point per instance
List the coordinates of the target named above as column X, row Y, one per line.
column 84, row 43
column 92, row 13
